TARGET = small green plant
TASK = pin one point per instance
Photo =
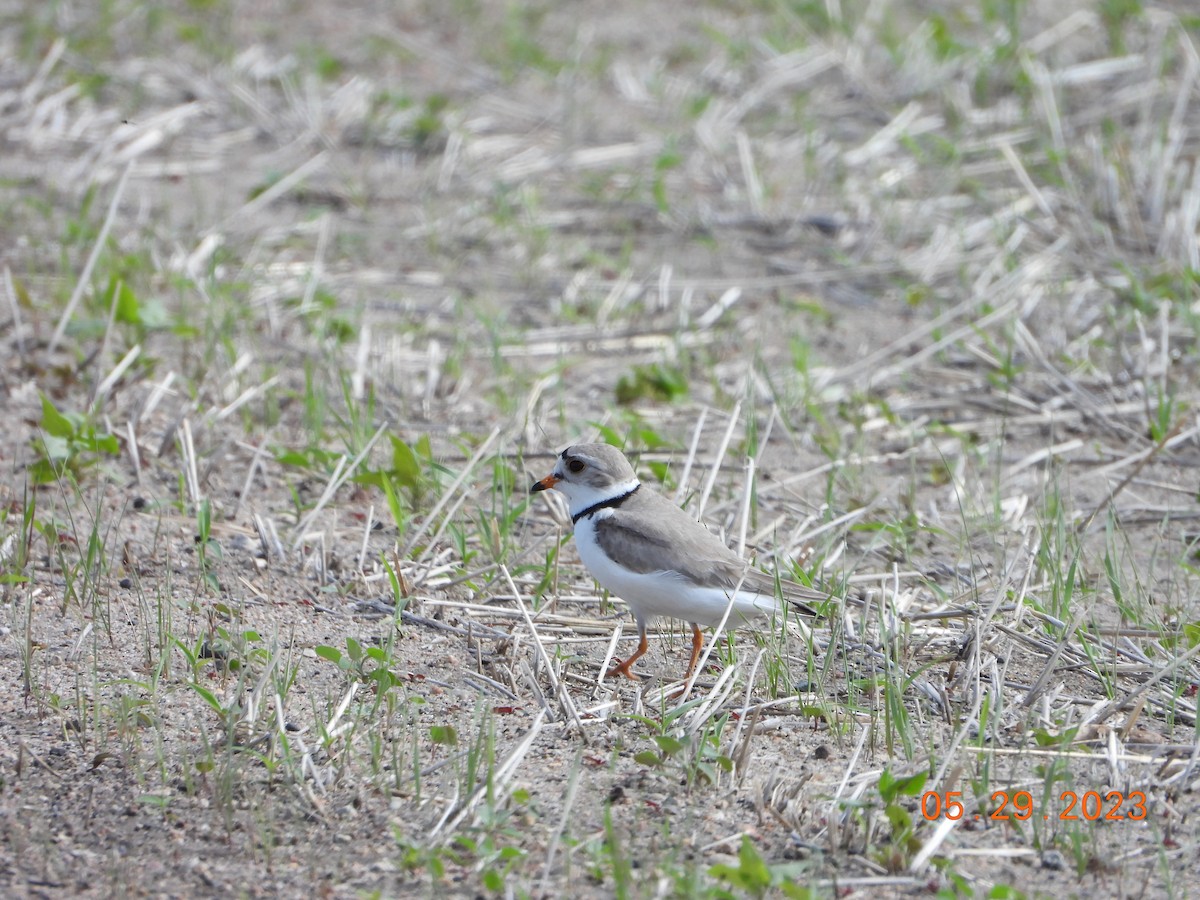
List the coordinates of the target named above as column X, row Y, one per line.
column 15, row 548
column 206, row 547
column 698, row 757
column 902, row 841
column 520, row 45
column 1008, row 892
column 427, row 131
column 69, row 443
column 404, row 481
column 1163, row 414
column 753, row 877
column 236, row 651
column 144, row 315
column 668, row 159
column 652, row 382
column 612, row 858
column 1117, row 15
column 370, row 665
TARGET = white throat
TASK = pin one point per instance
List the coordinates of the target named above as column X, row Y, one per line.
column 581, row 497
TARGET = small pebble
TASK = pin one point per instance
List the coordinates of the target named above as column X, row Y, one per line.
column 1053, row 860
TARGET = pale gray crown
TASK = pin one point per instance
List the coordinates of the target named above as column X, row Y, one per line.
column 594, row 465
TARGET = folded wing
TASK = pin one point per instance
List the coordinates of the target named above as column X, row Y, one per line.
column 642, row 539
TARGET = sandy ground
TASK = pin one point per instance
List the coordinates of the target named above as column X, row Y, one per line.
column 927, row 270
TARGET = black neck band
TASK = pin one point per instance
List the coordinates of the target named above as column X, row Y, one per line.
column 611, row 503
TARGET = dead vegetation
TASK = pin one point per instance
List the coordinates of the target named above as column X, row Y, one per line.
column 900, row 297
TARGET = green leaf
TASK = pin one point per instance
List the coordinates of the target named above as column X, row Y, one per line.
column 208, row 696
column 373, row 479
column 493, row 881
column 668, row 745
column 752, row 864
column 406, row 468
column 154, row 315
column 44, row 472
column 437, row 868
column 608, row 434
column 1046, row 738
column 292, row 458
column 795, row 891
column 891, row 787
column 333, row 654
column 653, row 382
column 56, row 449
column 443, row 734
column 204, row 519
column 899, row 818
column 54, row 422
column 105, row 443
column 1191, row 632
column 1006, row 892
column 384, row 678
column 751, row 874
column 309, row 458
column 128, row 309
column 648, row 758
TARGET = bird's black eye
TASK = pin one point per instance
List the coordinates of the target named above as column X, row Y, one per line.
column 576, row 465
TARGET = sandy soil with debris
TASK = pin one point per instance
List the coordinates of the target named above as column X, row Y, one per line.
column 914, row 280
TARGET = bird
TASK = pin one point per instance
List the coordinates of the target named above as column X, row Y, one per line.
column 643, row 548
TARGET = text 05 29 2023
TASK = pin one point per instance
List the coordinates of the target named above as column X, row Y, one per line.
column 1090, row 806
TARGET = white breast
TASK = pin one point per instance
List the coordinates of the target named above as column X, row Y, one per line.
column 664, row 593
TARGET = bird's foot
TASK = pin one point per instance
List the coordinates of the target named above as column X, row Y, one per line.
column 622, row 668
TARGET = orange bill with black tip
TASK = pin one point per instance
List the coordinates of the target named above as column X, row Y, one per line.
column 545, row 484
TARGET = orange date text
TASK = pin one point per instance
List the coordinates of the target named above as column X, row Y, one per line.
column 1090, row 806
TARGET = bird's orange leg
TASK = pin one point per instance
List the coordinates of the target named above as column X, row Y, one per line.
column 697, row 646
column 622, row 668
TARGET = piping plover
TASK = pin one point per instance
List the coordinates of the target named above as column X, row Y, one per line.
column 646, row 550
